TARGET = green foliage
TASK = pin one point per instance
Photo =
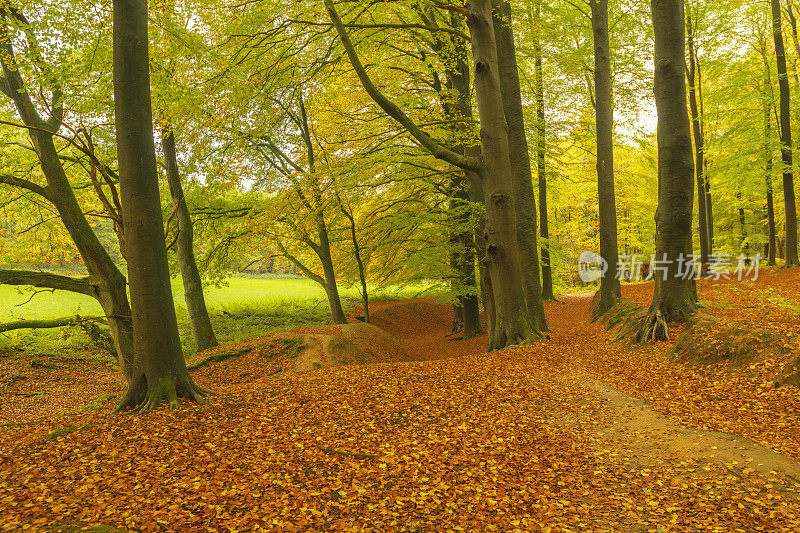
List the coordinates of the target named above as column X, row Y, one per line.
column 241, row 308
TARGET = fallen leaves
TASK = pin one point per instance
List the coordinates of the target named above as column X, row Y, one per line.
column 509, row 441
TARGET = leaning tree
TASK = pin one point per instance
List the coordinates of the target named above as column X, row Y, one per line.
column 44, row 122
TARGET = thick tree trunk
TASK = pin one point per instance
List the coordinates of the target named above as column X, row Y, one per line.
column 159, row 369
column 610, row 291
column 202, row 330
column 786, row 139
column 521, row 174
column 672, row 298
column 512, row 323
column 541, row 167
column 699, row 148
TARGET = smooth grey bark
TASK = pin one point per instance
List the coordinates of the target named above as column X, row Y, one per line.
column 541, row 159
column 515, row 321
column 108, row 285
column 791, row 259
column 672, row 298
column 202, row 330
column 610, row 290
column 699, row 148
column 159, row 369
column 521, row 173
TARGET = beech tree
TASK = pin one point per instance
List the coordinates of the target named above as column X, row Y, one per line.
column 202, row 330
column 791, row 259
column 105, row 282
column 541, row 152
column 310, row 193
column 672, row 298
column 158, row 371
column 699, row 147
column 512, row 322
column 610, row 290
column 521, row 174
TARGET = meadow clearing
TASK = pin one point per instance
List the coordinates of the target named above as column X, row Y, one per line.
column 240, row 308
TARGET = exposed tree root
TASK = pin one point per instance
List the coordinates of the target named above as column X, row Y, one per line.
column 143, row 396
column 598, row 308
column 653, row 327
column 513, row 337
column 220, row 356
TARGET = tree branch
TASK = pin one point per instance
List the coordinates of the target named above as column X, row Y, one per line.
column 45, row 324
column 25, row 184
column 391, row 109
column 48, row 281
column 311, row 275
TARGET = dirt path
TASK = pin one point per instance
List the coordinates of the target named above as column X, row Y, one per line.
column 530, row 439
column 639, row 433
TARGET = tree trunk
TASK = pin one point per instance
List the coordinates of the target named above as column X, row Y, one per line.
column 476, row 195
column 159, row 369
column 541, row 154
column 202, row 330
column 323, row 249
column 108, row 283
column 357, row 252
column 672, row 298
column 512, row 323
column 522, row 178
column 460, row 112
column 706, row 175
column 772, row 245
column 325, row 257
column 610, row 290
column 699, row 148
column 786, row 139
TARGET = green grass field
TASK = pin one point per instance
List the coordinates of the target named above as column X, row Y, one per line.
column 243, row 308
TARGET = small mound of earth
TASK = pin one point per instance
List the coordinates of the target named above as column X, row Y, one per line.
column 345, row 344
column 709, row 340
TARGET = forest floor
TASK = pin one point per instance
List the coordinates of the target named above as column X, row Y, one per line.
column 573, row 433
